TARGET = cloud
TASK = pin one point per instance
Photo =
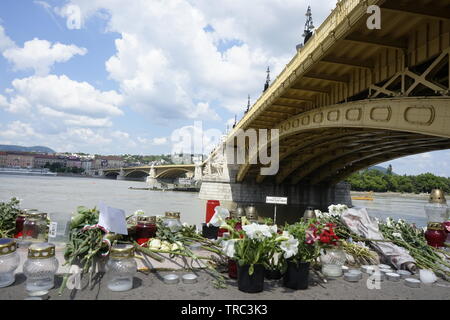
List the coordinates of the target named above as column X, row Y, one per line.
column 421, row 163
column 41, row 55
column 5, row 41
column 17, row 129
column 159, row 141
column 192, row 59
column 59, row 96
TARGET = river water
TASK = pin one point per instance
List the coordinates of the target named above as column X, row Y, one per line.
column 60, row 196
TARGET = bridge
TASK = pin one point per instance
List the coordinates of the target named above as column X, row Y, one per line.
column 352, row 97
column 152, row 174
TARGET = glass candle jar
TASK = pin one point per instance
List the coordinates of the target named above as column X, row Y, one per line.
column 121, row 267
column 436, row 212
column 42, row 226
column 20, row 219
column 145, row 229
column 9, row 261
column 435, row 234
column 232, row 269
column 40, row 267
column 30, row 228
column 35, row 226
column 172, row 221
column 332, row 261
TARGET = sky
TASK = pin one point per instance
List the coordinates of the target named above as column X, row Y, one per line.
column 116, row 76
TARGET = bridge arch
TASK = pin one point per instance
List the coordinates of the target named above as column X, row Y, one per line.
column 137, row 174
column 329, row 143
column 172, row 173
column 111, row 174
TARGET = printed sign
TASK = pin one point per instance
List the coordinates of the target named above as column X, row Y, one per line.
column 276, row 200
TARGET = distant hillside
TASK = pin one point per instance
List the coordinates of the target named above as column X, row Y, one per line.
column 39, row 149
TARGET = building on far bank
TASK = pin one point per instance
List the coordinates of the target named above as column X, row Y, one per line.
column 40, row 160
column 73, row 162
column 86, row 165
column 19, row 160
column 3, row 156
column 187, row 158
column 102, row 162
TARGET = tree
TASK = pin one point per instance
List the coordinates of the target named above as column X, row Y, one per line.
column 389, row 170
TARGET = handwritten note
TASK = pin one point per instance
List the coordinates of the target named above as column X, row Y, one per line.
column 112, row 219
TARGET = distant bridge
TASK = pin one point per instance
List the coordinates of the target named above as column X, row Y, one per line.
column 161, row 172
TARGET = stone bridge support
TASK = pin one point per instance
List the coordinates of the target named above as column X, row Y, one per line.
column 220, row 184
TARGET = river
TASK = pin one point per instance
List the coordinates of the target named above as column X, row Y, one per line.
column 59, row 196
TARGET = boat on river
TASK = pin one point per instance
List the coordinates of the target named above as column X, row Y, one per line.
column 368, row 197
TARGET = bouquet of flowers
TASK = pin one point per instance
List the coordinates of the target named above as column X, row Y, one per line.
column 8, row 214
column 411, row 238
column 301, row 244
column 254, row 244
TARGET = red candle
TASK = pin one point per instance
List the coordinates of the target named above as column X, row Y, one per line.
column 145, row 230
column 232, row 269
column 435, row 234
column 19, row 226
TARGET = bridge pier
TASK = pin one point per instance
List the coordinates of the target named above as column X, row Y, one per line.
column 299, row 197
column 223, row 187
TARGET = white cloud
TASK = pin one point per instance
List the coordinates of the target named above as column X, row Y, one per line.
column 3, row 102
column 5, row 41
column 17, row 129
column 422, row 163
column 58, row 96
column 41, row 55
column 169, row 67
column 159, row 141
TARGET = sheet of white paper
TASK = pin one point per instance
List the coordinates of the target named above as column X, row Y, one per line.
column 112, row 219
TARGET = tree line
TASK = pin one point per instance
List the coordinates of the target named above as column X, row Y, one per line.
column 377, row 181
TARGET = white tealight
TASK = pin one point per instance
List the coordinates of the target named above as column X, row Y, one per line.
column 171, row 279
column 189, row 278
column 384, row 271
column 352, row 277
column 378, row 275
column 404, row 273
column 368, row 269
column 393, row 276
column 344, row 268
column 354, row 274
column 412, row 283
column 384, row 266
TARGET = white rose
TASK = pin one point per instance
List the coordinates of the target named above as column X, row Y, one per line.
column 155, row 244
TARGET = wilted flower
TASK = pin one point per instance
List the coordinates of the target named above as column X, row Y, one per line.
column 228, row 247
column 139, row 212
column 397, row 235
column 318, row 213
column 155, row 244
column 220, row 214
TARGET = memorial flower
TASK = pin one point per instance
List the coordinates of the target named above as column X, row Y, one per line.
column 220, row 214
column 228, row 248
column 289, row 246
column 259, row 231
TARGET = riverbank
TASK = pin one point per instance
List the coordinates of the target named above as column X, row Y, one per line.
column 419, row 196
